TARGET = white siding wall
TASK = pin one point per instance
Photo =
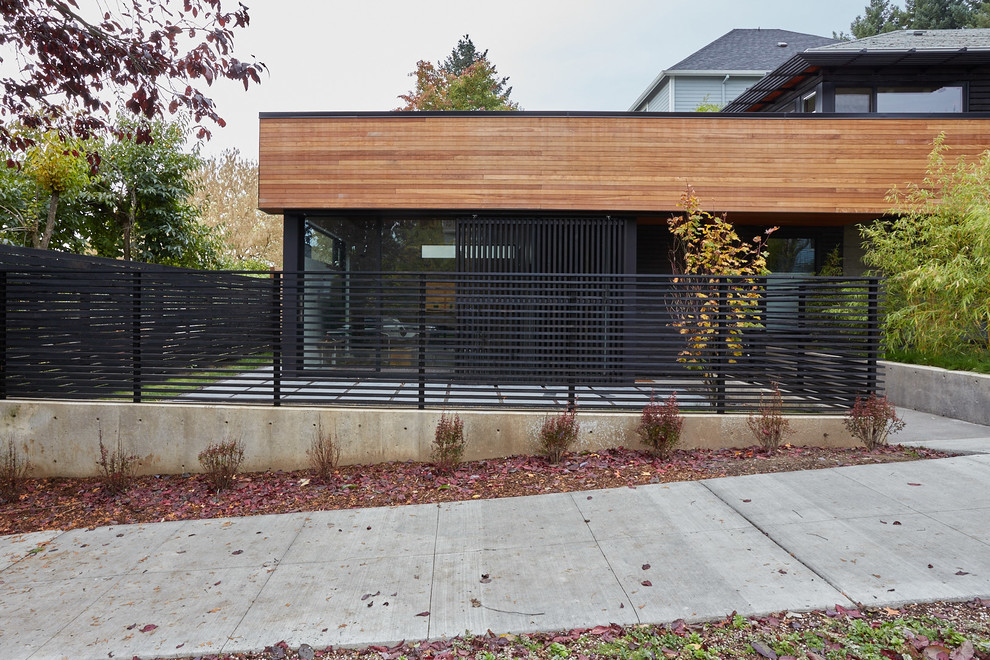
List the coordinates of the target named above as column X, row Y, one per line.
column 690, row 91
column 659, row 103
column 737, row 86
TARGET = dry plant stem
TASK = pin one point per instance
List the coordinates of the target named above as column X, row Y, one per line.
column 12, row 471
column 221, row 462
column 768, row 424
column 448, row 443
column 557, row 434
column 116, row 467
column 324, row 453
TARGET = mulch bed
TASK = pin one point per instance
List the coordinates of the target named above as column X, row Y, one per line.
column 46, row 504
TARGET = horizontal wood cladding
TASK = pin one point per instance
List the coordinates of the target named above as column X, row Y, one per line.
column 611, row 163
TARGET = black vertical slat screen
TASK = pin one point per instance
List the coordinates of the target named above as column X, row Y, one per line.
column 434, row 340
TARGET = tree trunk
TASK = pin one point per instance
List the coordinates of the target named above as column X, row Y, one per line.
column 129, row 225
column 49, row 224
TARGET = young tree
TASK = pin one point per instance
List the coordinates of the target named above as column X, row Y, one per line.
column 63, row 60
column 139, row 204
column 936, row 256
column 227, row 196
column 60, row 168
column 713, row 311
column 458, row 84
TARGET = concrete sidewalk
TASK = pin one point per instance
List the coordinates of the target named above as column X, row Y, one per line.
column 879, row 534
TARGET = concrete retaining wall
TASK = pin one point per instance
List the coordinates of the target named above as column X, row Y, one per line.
column 62, row 438
column 957, row 394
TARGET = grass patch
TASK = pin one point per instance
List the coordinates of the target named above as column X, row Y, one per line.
column 976, row 362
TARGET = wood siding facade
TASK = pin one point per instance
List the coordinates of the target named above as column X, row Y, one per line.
column 767, row 167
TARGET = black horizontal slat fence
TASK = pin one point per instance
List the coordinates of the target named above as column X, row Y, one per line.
column 437, row 340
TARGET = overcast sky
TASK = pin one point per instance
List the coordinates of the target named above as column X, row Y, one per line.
column 336, row 55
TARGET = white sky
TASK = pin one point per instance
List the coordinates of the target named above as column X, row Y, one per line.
column 341, row 55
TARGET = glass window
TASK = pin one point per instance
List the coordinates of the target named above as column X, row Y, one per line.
column 791, row 255
column 853, row 99
column 371, row 244
column 920, row 99
column 810, row 103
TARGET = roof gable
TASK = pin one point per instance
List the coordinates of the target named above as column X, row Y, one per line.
column 750, row 50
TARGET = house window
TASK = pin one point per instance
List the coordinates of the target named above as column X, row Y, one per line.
column 791, row 255
column 853, row 99
column 810, row 103
column 920, row 99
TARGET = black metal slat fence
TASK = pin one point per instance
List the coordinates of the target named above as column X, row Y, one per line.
column 437, row 340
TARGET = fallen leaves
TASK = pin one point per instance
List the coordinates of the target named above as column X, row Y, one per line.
column 83, row 503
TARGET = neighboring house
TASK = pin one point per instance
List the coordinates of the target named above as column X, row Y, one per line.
column 909, row 71
column 723, row 69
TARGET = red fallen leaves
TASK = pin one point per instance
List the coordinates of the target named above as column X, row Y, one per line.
column 146, row 629
column 74, row 503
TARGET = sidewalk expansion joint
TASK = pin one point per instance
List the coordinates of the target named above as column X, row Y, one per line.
column 611, row 569
column 276, row 564
column 760, row 529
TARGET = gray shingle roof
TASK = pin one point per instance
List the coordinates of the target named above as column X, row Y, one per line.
column 750, row 50
column 971, row 39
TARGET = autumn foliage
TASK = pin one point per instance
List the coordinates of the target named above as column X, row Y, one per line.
column 154, row 56
column 448, row 443
column 660, row 425
column 872, row 420
column 466, row 80
column 768, row 423
column 719, row 272
column 557, row 434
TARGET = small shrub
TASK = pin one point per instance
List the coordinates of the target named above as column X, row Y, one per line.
column 768, row 424
column 221, row 461
column 557, row 434
column 12, row 471
column 448, row 443
column 116, row 466
column 872, row 420
column 660, row 425
column 324, row 453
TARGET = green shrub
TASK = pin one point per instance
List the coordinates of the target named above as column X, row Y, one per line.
column 935, row 253
column 768, row 423
column 116, row 467
column 324, row 453
column 660, row 425
column 448, row 443
column 12, row 471
column 221, row 461
column 872, row 420
column 557, row 434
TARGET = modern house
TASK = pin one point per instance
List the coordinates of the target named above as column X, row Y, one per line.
column 908, row 71
column 530, row 247
column 723, row 69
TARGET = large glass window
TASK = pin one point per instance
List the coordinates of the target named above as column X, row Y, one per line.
column 345, row 314
column 920, row 99
column 373, row 244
